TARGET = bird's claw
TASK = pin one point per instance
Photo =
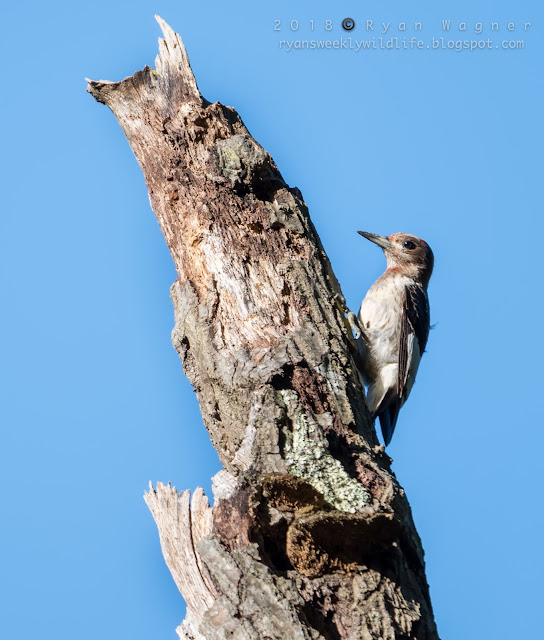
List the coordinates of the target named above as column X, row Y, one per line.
column 354, row 324
column 352, row 319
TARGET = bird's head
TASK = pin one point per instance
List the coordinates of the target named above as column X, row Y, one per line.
column 405, row 253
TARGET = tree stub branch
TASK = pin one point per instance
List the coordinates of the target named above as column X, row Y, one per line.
column 310, row 535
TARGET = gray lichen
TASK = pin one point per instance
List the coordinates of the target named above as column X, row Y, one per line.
column 307, row 457
column 237, row 155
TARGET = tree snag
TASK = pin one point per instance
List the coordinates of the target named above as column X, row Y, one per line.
column 310, row 535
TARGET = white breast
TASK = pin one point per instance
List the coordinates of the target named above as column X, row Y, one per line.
column 380, row 316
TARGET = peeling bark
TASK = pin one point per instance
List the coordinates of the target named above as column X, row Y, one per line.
column 310, row 535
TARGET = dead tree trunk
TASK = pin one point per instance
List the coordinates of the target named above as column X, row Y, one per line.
column 310, row 535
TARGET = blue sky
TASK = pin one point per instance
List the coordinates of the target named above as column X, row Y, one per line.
column 93, row 401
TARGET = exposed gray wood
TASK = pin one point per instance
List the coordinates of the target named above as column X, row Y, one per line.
column 310, row 535
column 179, row 519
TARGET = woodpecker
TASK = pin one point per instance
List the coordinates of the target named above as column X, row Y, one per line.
column 394, row 318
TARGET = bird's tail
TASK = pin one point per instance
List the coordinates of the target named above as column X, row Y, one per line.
column 388, row 413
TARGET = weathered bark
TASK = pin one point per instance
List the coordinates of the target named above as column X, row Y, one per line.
column 310, row 535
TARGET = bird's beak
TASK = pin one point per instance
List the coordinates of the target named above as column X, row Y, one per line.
column 381, row 241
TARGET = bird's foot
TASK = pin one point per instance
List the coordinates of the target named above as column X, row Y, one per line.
column 354, row 324
column 352, row 319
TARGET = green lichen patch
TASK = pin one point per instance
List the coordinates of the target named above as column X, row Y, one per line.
column 308, row 457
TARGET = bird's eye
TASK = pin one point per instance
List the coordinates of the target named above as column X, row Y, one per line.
column 408, row 244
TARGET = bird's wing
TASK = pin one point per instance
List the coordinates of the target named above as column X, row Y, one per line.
column 414, row 332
